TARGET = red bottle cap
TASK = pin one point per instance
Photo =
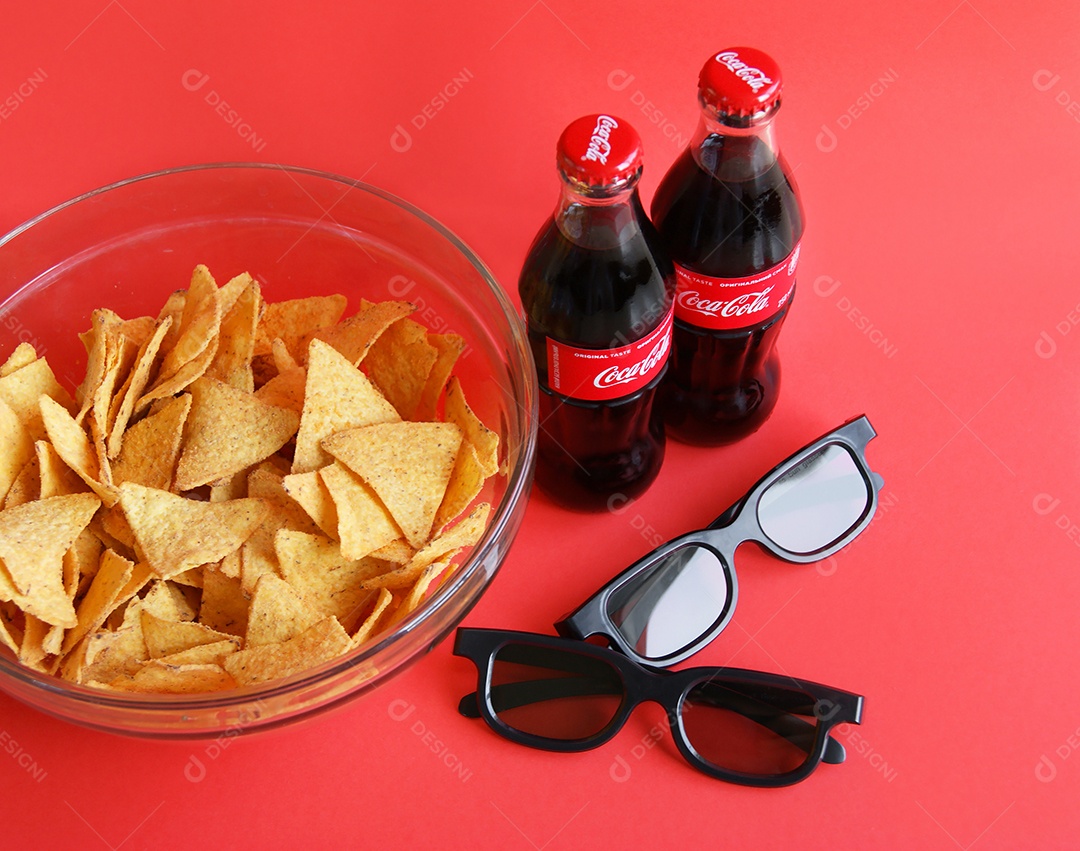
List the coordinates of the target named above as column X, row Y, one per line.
column 741, row 81
column 599, row 150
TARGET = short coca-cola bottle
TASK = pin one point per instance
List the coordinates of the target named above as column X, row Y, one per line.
column 729, row 216
column 597, row 293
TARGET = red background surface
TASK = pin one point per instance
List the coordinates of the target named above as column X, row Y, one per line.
column 935, row 145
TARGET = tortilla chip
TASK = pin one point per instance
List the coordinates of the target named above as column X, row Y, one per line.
column 370, row 625
column 408, row 465
column 464, row 534
column 174, row 534
column 363, row 524
column 399, row 364
column 158, row 677
column 177, row 383
column 319, row 643
column 24, row 355
column 73, row 446
column 227, row 431
column 236, row 344
column 285, row 390
column 164, row 600
column 32, row 651
column 11, row 626
column 134, row 387
column 484, row 440
column 398, row 552
column 258, row 556
column 106, row 655
column 411, row 602
column 354, row 337
column 201, row 654
column 18, row 448
column 448, row 348
column 310, row 492
column 316, row 569
column 151, row 447
column 294, row 319
column 33, row 540
column 199, row 326
column 277, row 613
column 23, row 389
column 466, row 482
column 101, row 343
column 114, row 574
column 337, row 396
column 164, row 637
column 55, row 477
column 224, row 606
column 27, row 485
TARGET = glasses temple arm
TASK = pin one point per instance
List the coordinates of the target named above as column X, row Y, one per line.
column 513, row 695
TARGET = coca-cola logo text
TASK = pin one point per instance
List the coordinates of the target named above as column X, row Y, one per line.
column 755, row 78
column 613, row 375
column 600, row 143
column 742, row 305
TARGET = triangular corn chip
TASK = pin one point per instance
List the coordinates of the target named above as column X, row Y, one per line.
column 73, row 446
column 224, row 606
column 315, row 567
column 18, row 448
column 466, row 482
column 199, row 326
column 356, row 335
column 133, row 388
column 277, row 612
column 408, row 465
column 337, row 396
column 23, row 389
column 309, row 491
column 399, row 364
column 174, row 534
column 236, row 345
column 164, row 637
column 159, row 677
column 293, row 320
column 33, row 540
column 151, row 447
column 448, row 348
column 227, row 431
column 114, row 573
column 319, row 643
column 370, row 625
column 363, row 524
column 484, row 440
column 24, row 355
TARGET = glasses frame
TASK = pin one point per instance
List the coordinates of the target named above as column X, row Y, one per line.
column 736, row 526
column 670, row 689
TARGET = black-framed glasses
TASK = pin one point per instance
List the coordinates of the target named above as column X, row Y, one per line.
column 675, row 600
column 564, row 695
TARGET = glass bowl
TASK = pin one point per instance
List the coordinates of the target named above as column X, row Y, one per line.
column 299, row 232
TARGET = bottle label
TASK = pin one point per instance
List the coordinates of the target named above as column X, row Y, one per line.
column 724, row 304
column 597, row 375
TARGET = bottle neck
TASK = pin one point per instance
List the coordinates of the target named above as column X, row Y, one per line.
column 734, row 153
column 598, row 220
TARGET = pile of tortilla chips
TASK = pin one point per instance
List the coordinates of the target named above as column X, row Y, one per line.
column 230, row 498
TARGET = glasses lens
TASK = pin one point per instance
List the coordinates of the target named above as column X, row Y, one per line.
column 816, row 503
column 554, row 693
column 672, row 604
column 750, row 729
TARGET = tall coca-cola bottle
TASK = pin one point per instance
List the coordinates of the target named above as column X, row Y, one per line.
column 729, row 215
column 597, row 293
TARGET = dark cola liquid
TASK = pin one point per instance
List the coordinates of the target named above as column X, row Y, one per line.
column 732, row 216
column 603, row 294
